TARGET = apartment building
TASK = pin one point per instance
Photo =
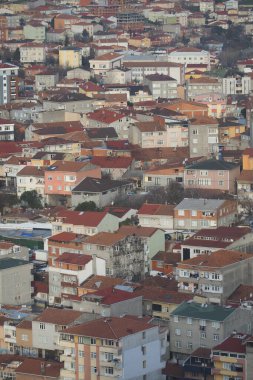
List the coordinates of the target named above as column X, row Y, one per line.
column 195, row 325
column 63, row 176
column 194, row 214
column 212, row 174
column 156, row 215
column 162, row 176
column 161, row 86
column 148, row 134
column 32, row 53
column 15, row 281
column 48, row 326
column 7, row 129
column 236, row 85
column 190, row 55
column 215, row 275
column 63, row 242
column 31, row 178
column 84, row 222
column 70, row 57
column 67, row 272
column 8, row 85
column 209, row 240
column 203, row 136
column 141, row 69
column 103, row 63
column 204, row 85
column 125, row 256
column 34, row 31
column 102, row 347
column 232, row 358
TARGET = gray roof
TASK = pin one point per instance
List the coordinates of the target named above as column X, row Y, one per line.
column 7, row 263
column 199, row 204
column 213, row 164
column 203, row 311
column 97, row 185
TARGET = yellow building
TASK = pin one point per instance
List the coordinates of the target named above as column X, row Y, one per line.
column 70, row 57
column 139, row 41
column 230, row 358
column 247, row 159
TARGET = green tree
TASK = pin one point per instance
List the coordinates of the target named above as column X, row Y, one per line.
column 16, row 55
column 31, row 199
column 86, row 206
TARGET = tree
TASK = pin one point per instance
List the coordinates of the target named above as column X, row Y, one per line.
column 173, row 194
column 31, row 199
column 7, row 200
column 66, row 42
column 86, row 206
column 16, row 55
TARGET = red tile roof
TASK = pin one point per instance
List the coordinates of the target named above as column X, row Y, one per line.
column 60, row 317
column 34, row 367
column 156, row 209
column 84, row 218
column 112, row 162
column 105, row 116
column 138, row 231
column 74, row 258
column 63, row 237
column 111, row 328
column 109, row 296
column 235, row 343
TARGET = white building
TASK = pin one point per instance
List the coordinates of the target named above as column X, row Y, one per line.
column 32, row 53
column 8, row 91
column 6, row 130
column 236, row 85
column 190, row 55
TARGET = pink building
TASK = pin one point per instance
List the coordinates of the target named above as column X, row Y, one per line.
column 212, row 174
column 63, row 176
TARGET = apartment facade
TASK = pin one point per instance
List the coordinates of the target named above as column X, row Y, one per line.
column 195, row 214
column 237, row 85
column 32, row 53
column 203, row 137
column 8, row 85
column 195, row 325
column 212, row 174
column 102, row 347
column 215, row 275
column 7, row 129
column 70, row 57
column 189, row 55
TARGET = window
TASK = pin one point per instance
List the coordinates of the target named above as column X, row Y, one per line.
column 42, row 326
column 189, row 345
column 178, row 344
column 175, row 319
column 216, row 337
column 144, row 350
column 203, row 335
column 194, row 212
column 189, row 333
column 227, row 365
column 195, row 132
column 81, row 368
column 189, row 321
column 177, row 332
column 81, row 354
column 109, row 370
column 93, row 369
column 92, row 340
column 24, row 337
column 181, row 212
column 144, row 335
column 93, row 355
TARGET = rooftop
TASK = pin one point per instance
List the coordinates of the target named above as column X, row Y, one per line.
column 203, row 311
column 6, row 263
column 97, row 185
column 156, row 209
column 60, row 317
column 213, row 164
column 235, row 343
column 200, row 204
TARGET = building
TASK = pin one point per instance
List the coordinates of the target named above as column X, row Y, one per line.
column 195, row 87
column 148, row 134
column 8, row 85
column 215, row 275
column 161, row 86
column 84, row 222
column 162, row 176
column 46, row 80
column 195, row 325
column 38, row 369
column 63, row 176
column 232, row 357
column 237, row 85
column 7, row 130
column 157, row 216
column 67, row 272
column 102, row 192
column 105, row 62
column 70, row 57
column 212, row 174
column 209, row 240
column 34, row 31
column 126, row 255
column 109, row 346
column 203, row 137
column 31, row 178
column 141, row 69
column 32, row 52
column 190, row 55
column 47, row 327
column 15, row 281
column 194, row 214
